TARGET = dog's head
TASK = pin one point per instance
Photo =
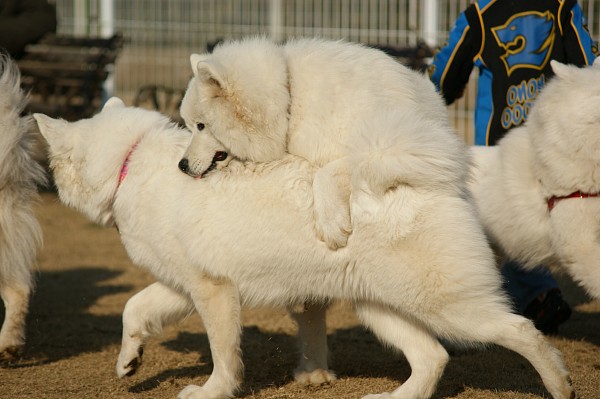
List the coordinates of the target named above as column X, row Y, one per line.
column 203, row 155
column 566, row 112
column 239, row 95
column 564, row 127
column 86, row 156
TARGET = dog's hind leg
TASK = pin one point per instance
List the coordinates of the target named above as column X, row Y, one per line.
column 218, row 303
column 145, row 315
column 518, row 334
column 16, row 302
column 426, row 356
column 312, row 337
column 492, row 322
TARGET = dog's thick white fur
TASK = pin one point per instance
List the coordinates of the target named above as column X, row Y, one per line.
column 331, row 103
column 20, row 232
column 556, row 153
column 416, row 268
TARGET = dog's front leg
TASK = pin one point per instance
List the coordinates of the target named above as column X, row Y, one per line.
column 331, row 192
column 16, row 302
column 145, row 315
column 218, row 303
column 575, row 238
column 312, row 338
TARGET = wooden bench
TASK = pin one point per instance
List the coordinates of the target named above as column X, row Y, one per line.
column 65, row 74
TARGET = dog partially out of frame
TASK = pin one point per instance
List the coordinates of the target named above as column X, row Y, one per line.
column 538, row 190
column 417, row 267
column 20, row 232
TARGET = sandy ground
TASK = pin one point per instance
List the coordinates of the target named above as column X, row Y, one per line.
column 74, row 331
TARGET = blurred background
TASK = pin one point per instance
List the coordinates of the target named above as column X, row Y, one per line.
column 158, row 36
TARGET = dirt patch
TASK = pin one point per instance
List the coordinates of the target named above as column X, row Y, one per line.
column 74, row 332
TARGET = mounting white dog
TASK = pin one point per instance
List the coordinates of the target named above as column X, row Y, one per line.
column 324, row 101
column 538, row 190
column 417, row 266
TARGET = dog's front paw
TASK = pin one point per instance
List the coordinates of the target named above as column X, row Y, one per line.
column 129, row 361
column 196, row 392
column 11, row 352
column 315, row 377
column 332, row 227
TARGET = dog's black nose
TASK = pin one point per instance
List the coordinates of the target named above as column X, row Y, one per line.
column 184, row 165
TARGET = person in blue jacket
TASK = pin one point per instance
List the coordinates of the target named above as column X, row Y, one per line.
column 511, row 43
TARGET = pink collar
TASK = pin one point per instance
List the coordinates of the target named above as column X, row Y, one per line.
column 124, row 170
column 577, row 194
column 125, row 167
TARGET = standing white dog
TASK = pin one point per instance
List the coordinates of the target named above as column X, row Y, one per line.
column 417, row 266
column 538, row 190
column 350, row 110
column 20, row 233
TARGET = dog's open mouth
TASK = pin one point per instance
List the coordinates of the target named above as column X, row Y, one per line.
column 218, row 157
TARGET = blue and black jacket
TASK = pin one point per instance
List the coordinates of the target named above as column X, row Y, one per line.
column 512, row 43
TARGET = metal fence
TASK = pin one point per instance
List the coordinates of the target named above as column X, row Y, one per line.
column 160, row 35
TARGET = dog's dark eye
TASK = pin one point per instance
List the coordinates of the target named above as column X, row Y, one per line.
column 200, row 126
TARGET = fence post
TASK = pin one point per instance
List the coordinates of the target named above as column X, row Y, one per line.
column 107, row 18
column 107, row 29
column 429, row 22
column 81, row 20
column 275, row 20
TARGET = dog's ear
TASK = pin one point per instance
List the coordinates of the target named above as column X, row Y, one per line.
column 53, row 130
column 560, row 70
column 207, row 70
column 114, row 102
column 48, row 126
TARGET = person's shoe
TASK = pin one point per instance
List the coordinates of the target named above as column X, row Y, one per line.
column 548, row 312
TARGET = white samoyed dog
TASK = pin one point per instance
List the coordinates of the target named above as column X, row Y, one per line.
column 20, row 232
column 417, row 267
column 367, row 122
column 538, row 190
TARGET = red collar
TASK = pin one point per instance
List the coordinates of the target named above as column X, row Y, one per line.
column 577, row 194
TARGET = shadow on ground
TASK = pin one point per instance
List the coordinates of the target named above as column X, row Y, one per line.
column 270, row 359
column 59, row 325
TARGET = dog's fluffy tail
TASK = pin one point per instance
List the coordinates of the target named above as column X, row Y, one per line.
column 20, row 177
column 412, row 151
